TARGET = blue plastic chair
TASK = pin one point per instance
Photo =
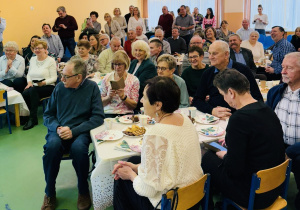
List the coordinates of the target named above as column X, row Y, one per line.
column 261, row 38
column 289, row 38
column 267, row 180
column 268, row 42
column 188, row 196
column 3, row 97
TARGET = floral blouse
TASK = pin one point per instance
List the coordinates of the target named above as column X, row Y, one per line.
column 92, row 64
column 209, row 22
column 199, row 18
column 222, row 36
column 131, row 90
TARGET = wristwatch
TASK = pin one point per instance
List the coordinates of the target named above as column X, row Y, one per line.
column 123, row 99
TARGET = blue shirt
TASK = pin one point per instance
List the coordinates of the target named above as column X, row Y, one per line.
column 280, row 49
column 239, row 57
column 2, row 27
column 17, row 69
column 229, row 66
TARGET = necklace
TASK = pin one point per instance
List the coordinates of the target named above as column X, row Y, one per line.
column 165, row 115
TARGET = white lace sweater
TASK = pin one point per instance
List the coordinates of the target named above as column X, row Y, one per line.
column 171, row 157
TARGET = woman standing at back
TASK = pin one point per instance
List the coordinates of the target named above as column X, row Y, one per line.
column 209, row 20
column 260, row 20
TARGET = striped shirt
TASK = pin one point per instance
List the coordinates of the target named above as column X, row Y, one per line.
column 280, row 49
column 288, row 113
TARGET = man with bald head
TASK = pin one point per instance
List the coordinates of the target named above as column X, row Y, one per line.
column 105, row 56
column 140, row 35
column 166, row 21
column 166, row 45
column 245, row 31
column 207, row 98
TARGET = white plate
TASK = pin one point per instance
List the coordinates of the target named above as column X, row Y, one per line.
column 125, row 119
column 211, row 131
column 134, row 136
column 109, row 135
column 206, row 119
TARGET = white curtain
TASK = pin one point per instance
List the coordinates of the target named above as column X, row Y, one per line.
column 283, row 13
column 155, row 6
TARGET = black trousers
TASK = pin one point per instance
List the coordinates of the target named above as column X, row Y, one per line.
column 18, row 83
column 33, row 95
column 187, row 39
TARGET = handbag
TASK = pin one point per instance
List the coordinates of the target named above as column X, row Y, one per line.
column 166, row 203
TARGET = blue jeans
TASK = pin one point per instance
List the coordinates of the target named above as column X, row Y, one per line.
column 261, row 31
column 54, row 149
column 70, row 44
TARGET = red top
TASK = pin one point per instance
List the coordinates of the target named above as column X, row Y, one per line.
column 127, row 48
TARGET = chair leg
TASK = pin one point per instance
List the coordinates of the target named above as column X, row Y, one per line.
column 224, row 206
column 1, row 125
column 8, row 121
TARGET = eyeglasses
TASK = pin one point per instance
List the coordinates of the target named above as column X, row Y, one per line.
column 102, row 39
column 9, row 51
column 194, row 57
column 38, row 48
column 118, row 64
column 67, row 77
column 161, row 68
column 195, row 43
column 106, row 16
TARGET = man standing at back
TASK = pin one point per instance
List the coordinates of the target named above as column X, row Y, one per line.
column 166, row 21
column 128, row 15
column 185, row 23
column 75, row 107
column 66, row 26
column 245, row 31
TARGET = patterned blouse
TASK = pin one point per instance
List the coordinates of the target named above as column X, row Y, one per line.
column 131, row 90
column 222, row 36
column 209, row 22
column 199, row 18
column 206, row 45
column 92, row 64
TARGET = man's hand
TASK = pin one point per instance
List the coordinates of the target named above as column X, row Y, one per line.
column 63, row 26
column 221, row 154
column 65, row 133
column 221, row 112
column 58, row 60
column 270, row 70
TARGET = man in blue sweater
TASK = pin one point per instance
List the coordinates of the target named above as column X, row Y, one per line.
column 207, row 98
column 75, row 107
column 284, row 99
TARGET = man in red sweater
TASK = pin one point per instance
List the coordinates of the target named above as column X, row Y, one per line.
column 166, row 21
column 131, row 38
column 66, row 25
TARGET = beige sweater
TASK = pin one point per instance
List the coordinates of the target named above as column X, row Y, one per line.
column 171, row 157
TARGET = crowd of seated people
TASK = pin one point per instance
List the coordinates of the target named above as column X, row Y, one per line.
column 146, row 64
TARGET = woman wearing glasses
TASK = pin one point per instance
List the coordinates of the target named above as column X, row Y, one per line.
column 192, row 75
column 91, row 61
column 41, row 80
column 122, row 101
column 166, row 65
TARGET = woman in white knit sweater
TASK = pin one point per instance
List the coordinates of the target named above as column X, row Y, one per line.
column 255, row 46
column 41, row 80
column 171, row 155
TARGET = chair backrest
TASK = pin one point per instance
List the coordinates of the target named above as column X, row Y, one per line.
column 289, row 38
column 272, row 178
column 261, row 38
column 268, row 42
column 3, row 96
column 190, row 195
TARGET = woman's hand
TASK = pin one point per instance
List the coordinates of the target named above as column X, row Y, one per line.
column 40, row 84
column 111, row 93
column 126, row 173
column 28, row 85
column 221, row 154
column 120, row 93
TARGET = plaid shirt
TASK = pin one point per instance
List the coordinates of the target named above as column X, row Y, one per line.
column 281, row 48
column 288, row 113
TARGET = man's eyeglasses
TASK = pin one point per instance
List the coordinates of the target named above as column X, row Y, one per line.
column 195, row 43
column 161, row 68
column 194, row 57
column 67, row 77
column 102, row 39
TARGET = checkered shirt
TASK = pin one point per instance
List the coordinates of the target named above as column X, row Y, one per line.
column 288, row 112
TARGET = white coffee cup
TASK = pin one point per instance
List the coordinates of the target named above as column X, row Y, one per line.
column 192, row 111
column 269, row 84
column 108, row 123
column 143, row 119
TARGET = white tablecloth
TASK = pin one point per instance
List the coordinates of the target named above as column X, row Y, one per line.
column 106, row 157
column 14, row 97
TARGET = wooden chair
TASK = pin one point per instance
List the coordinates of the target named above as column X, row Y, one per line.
column 3, row 97
column 267, row 180
column 192, row 194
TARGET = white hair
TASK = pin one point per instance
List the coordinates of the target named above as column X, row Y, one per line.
column 160, row 31
column 223, row 45
column 238, row 36
column 294, row 55
column 106, row 36
column 11, row 44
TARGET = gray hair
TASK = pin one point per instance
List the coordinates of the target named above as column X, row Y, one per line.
column 11, row 44
column 115, row 38
column 61, row 8
column 159, row 31
column 224, row 45
column 169, row 59
column 106, row 36
column 131, row 30
column 294, row 55
column 238, row 36
column 255, row 32
column 246, row 20
column 79, row 66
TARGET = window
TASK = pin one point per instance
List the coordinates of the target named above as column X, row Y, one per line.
column 155, row 6
column 283, row 13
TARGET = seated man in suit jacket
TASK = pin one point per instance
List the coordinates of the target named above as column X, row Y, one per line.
column 240, row 54
column 207, row 98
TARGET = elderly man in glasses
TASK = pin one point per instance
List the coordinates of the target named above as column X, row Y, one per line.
column 75, row 107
